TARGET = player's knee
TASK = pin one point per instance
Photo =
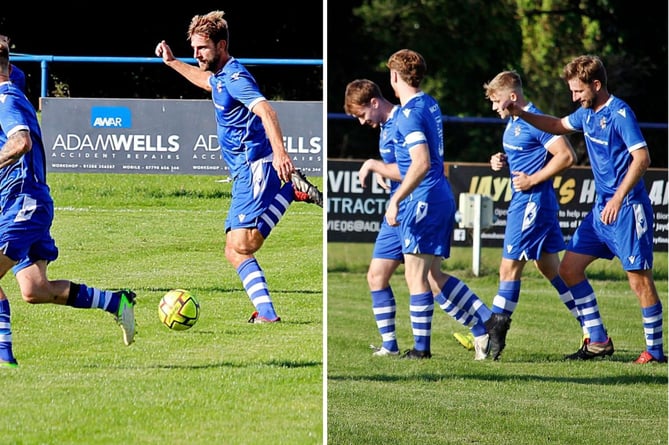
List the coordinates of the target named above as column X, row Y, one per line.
column 243, row 243
column 570, row 275
column 236, row 254
column 377, row 280
column 230, row 253
column 30, row 295
column 240, row 249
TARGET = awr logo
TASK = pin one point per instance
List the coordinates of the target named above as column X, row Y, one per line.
column 111, row 117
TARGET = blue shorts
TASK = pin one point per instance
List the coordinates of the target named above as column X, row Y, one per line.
column 253, row 191
column 25, row 225
column 427, row 228
column 388, row 244
column 530, row 232
column 630, row 237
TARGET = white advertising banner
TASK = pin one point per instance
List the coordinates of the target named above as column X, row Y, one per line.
column 161, row 135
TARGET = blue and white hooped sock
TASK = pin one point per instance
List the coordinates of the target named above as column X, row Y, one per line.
column 586, row 304
column 568, row 299
column 385, row 310
column 507, row 297
column 83, row 297
column 421, row 309
column 253, row 280
column 461, row 296
column 6, row 353
column 652, row 328
column 459, row 315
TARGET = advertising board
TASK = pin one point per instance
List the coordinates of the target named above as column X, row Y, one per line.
column 161, row 135
column 354, row 213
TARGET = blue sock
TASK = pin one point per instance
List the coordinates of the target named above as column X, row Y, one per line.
column 586, row 303
column 652, row 327
column 253, row 279
column 84, row 297
column 6, row 353
column 422, row 309
column 276, row 210
column 383, row 305
column 507, row 297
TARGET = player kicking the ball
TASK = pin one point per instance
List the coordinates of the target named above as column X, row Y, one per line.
column 251, row 142
column 26, row 218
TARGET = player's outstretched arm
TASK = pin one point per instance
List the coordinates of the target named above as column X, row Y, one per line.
column 194, row 75
column 544, row 122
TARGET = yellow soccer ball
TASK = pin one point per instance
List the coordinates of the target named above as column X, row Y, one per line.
column 179, row 310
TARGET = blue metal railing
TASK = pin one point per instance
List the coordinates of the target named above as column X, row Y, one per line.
column 493, row 120
column 45, row 60
column 446, row 119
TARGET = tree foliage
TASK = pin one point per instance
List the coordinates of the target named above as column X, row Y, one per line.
column 460, row 45
column 554, row 31
column 441, row 30
column 467, row 42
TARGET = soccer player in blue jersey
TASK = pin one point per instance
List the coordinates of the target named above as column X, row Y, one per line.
column 26, row 218
column 620, row 223
column 364, row 101
column 532, row 229
column 252, row 147
column 423, row 206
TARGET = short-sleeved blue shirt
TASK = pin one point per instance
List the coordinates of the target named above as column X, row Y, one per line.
column 526, row 151
column 241, row 134
column 610, row 134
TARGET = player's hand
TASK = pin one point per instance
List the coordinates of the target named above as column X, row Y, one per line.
column 610, row 211
column 163, row 50
column 521, row 181
column 391, row 213
column 283, row 166
column 381, row 181
column 511, row 107
column 498, row 161
column 363, row 172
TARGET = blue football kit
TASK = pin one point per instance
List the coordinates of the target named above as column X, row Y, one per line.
column 533, row 211
column 427, row 215
column 27, row 212
column 611, row 134
column 532, row 225
column 25, row 199
column 244, row 145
